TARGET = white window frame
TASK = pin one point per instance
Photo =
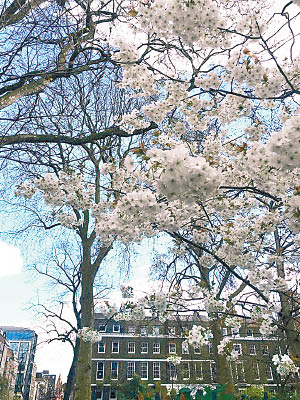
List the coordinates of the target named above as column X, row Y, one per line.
column 269, row 370
column 235, row 332
column 100, row 379
column 143, row 331
column 111, row 369
column 258, row 373
column 237, row 364
column 143, row 364
column 104, row 328
column 144, row 347
column 131, row 329
column 184, row 348
column 239, row 348
column 156, row 330
column 116, row 328
column 104, row 347
column 197, row 350
column 224, row 331
column 131, row 351
column 132, row 363
column 172, row 372
column 263, row 347
column 112, row 347
column 172, row 330
column 253, row 347
column 188, row 370
column 156, row 368
column 199, row 378
column 154, row 350
column 250, row 331
column 212, row 364
column 173, row 346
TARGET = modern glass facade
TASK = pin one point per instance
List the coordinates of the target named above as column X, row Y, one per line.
column 23, row 342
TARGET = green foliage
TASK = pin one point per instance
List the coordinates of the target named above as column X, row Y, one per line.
column 255, row 393
column 3, row 388
column 134, row 389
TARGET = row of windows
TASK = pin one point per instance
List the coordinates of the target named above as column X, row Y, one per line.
column 155, row 330
column 144, row 348
column 201, row 369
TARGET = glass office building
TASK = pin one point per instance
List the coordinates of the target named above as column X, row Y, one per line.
column 23, row 342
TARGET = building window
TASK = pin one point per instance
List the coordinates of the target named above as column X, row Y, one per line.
column 114, row 370
column 252, row 350
column 116, row 328
column 197, row 350
column 269, row 372
column 235, row 331
column 213, row 372
column 156, row 348
column 240, row 372
column 131, row 329
column 101, row 347
column 131, row 347
column 143, row 330
column 144, row 370
column 102, row 328
column 256, row 371
column 100, row 370
column 185, row 347
column 265, row 350
column 130, row 369
column 249, row 332
column 210, row 348
column 237, row 348
column 99, row 395
column 198, row 371
column 144, row 347
column 156, row 330
column 156, row 370
column 113, row 394
column 224, row 331
column 185, row 370
column 172, row 348
column 172, row 371
column 115, row 347
column 172, row 330
column 15, row 348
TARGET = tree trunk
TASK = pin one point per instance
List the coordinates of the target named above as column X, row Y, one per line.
column 84, row 365
column 71, row 375
column 223, row 371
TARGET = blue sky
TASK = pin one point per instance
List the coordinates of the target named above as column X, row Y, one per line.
column 18, row 290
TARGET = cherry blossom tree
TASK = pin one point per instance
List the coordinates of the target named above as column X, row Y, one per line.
column 220, row 85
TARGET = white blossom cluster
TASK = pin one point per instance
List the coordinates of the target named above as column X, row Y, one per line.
column 198, row 336
column 88, row 334
column 174, row 359
column 233, row 322
column 284, row 365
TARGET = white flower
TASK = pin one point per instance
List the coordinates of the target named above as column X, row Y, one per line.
column 89, row 335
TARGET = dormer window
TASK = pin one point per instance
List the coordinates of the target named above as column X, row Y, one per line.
column 143, row 330
column 102, row 328
column 116, row 328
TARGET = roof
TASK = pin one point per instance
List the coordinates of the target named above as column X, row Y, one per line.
column 15, row 328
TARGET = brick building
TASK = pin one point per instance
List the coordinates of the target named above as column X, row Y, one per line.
column 141, row 347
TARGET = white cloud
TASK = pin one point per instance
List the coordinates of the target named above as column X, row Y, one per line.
column 11, row 260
